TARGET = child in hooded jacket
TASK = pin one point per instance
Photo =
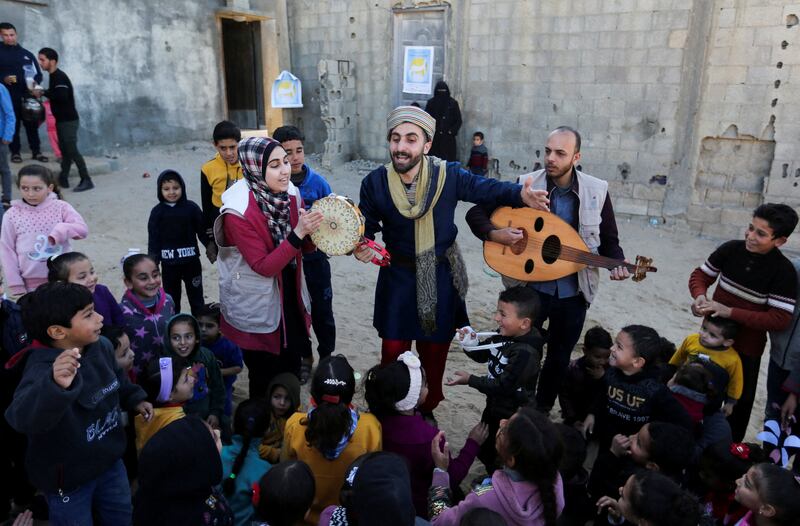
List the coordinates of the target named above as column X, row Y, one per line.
column 36, row 227
column 173, row 229
column 208, row 401
column 527, row 491
column 283, row 399
column 145, row 309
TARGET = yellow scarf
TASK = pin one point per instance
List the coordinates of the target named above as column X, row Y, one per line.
column 421, row 212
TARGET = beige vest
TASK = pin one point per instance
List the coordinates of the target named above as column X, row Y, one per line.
column 249, row 301
column 591, row 197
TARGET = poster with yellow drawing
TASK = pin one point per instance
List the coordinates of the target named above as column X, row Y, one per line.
column 287, row 91
column 418, row 70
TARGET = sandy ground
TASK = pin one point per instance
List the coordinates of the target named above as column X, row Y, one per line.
column 118, row 209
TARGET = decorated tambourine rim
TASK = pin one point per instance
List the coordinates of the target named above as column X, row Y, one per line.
column 342, row 229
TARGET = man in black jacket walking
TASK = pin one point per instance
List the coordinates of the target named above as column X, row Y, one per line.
column 62, row 102
column 16, row 65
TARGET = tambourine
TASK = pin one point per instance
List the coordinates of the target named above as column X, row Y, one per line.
column 342, row 230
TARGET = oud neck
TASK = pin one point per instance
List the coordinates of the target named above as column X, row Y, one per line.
column 596, row 260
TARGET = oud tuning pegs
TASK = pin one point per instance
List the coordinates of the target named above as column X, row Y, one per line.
column 641, row 267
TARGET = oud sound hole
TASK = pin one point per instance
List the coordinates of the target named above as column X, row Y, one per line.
column 519, row 247
column 529, row 266
column 538, row 225
column 551, row 249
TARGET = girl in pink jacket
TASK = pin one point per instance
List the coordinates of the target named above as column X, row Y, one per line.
column 36, row 227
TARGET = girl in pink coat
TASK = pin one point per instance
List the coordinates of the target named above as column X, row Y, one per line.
column 36, row 227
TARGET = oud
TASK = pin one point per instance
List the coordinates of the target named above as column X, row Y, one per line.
column 549, row 249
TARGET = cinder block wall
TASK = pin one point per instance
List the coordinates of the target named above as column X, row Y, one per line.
column 143, row 72
column 695, row 93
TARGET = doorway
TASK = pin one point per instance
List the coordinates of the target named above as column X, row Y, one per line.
column 244, row 82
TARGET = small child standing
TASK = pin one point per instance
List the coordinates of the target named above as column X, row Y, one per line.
column 173, row 229
column 583, row 382
column 513, row 361
column 478, row 156
column 634, row 395
column 228, row 354
column 146, row 309
column 208, row 401
column 36, row 227
column 714, row 342
column 283, row 397
column 68, row 404
column 394, row 392
column 169, row 384
column 241, row 465
column 75, row 267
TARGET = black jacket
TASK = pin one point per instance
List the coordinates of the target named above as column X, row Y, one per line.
column 13, row 60
column 513, row 369
column 173, row 231
column 62, row 97
column 74, row 434
column 631, row 401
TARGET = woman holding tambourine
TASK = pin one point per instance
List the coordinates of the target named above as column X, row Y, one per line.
column 261, row 233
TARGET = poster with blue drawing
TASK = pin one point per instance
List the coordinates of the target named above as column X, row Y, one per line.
column 287, row 92
column 418, row 70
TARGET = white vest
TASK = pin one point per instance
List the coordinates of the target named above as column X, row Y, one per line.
column 249, row 301
column 591, row 197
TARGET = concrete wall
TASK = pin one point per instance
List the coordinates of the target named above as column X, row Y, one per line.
column 662, row 90
column 143, row 72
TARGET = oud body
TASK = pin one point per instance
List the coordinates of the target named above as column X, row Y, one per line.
column 549, row 249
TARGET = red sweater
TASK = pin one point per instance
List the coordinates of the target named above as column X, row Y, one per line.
column 254, row 240
column 760, row 289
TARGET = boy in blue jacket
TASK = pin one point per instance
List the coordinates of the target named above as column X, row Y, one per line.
column 7, row 122
column 312, row 186
column 69, row 405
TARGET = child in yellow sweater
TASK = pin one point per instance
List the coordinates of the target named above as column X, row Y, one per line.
column 169, row 383
column 714, row 343
column 283, row 399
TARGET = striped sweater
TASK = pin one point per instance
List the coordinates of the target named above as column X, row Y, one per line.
column 760, row 288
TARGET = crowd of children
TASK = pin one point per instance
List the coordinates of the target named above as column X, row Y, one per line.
column 106, row 392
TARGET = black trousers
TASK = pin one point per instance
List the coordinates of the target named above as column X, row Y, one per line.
column 262, row 366
column 744, row 406
column 68, row 142
column 191, row 274
column 318, row 280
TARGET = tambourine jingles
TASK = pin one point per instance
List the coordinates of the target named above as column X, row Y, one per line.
column 342, row 230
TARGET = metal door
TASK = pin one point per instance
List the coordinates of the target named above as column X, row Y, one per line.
column 418, row 27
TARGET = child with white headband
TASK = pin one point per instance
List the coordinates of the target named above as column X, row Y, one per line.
column 169, row 383
column 393, row 393
column 512, row 356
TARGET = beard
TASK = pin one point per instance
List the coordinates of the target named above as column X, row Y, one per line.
column 406, row 163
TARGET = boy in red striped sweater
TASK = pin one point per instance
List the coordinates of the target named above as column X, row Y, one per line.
column 757, row 288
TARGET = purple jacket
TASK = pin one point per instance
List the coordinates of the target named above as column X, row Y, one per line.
column 517, row 501
column 410, row 437
column 106, row 305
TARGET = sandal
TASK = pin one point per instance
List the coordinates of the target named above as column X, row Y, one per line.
column 16, row 158
column 41, row 158
column 305, row 371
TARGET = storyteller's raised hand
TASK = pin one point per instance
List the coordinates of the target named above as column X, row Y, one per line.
column 534, row 198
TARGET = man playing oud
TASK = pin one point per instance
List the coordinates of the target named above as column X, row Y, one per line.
column 583, row 202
